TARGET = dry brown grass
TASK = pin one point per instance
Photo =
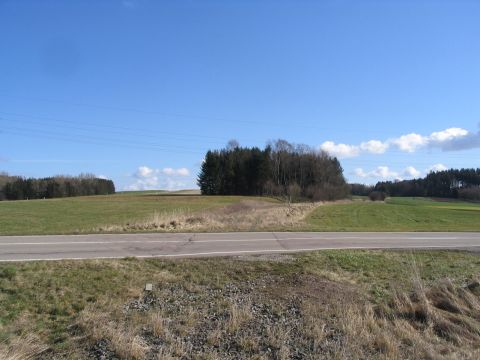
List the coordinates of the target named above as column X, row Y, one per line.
column 308, row 308
column 123, row 337
column 239, row 314
column 439, row 322
column 159, row 324
column 442, row 322
column 22, row 348
column 247, row 215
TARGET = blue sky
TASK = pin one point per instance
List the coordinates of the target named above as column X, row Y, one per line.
column 138, row 90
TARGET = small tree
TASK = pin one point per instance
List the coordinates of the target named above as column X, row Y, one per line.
column 377, row 196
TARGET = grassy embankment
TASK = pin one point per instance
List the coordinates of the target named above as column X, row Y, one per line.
column 330, row 304
column 155, row 211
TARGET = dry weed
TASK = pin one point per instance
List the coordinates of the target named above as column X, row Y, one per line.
column 158, row 324
column 124, row 340
column 442, row 322
column 239, row 314
column 22, row 348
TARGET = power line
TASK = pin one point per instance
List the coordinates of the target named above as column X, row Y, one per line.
column 116, row 128
column 295, row 122
column 109, row 131
column 35, row 133
column 159, row 146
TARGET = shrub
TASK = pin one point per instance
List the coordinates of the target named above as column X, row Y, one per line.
column 377, row 196
column 471, row 193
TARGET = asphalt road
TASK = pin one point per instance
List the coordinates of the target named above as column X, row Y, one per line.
column 29, row 248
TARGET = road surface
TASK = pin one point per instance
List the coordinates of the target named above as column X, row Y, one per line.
column 168, row 245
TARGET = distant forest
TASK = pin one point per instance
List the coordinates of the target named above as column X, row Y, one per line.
column 281, row 169
column 461, row 184
column 18, row 188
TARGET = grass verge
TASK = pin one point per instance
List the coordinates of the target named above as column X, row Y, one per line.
column 329, row 304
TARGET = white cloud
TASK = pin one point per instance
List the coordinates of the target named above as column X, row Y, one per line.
column 437, row 167
column 176, row 172
column 102, row 177
column 442, row 139
column 453, row 138
column 360, row 173
column 374, row 146
column 168, row 171
column 411, row 172
column 381, row 172
column 447, row 135
column 340, row 150
column 385, row 173
column 410, row 142
column 183, row 172
column 147, row 178
column 144, row 172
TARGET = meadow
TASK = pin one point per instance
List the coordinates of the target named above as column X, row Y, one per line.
column 397, row 214
column 156, row 211
column 85, row 214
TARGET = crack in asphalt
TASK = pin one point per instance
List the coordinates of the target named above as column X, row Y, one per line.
column 278, row 241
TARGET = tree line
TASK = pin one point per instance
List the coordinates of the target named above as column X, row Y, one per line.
column 19, row 188
column 280, row 169
column 453, row 183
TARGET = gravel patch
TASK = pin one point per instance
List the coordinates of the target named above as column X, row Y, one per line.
column 265, row 317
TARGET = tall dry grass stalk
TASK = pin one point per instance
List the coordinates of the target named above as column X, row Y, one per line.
column 22, row 348
column 239, row 314
column 442, row 322
column 123, row 338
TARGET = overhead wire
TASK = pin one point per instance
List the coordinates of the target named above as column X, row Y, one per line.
column 296, row 122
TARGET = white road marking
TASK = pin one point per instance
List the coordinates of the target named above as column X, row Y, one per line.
column 431, row 238
column 239, row 252
column 163, row 241
column 213, row 241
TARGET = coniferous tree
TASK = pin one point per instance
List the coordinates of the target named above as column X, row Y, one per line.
column 281, row 169
column 17, row 188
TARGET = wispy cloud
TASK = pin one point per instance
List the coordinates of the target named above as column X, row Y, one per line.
column 448, row 140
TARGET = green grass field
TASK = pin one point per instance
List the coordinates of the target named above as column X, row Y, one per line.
column 84, row 214
column 397, row 214
column 88, row 214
